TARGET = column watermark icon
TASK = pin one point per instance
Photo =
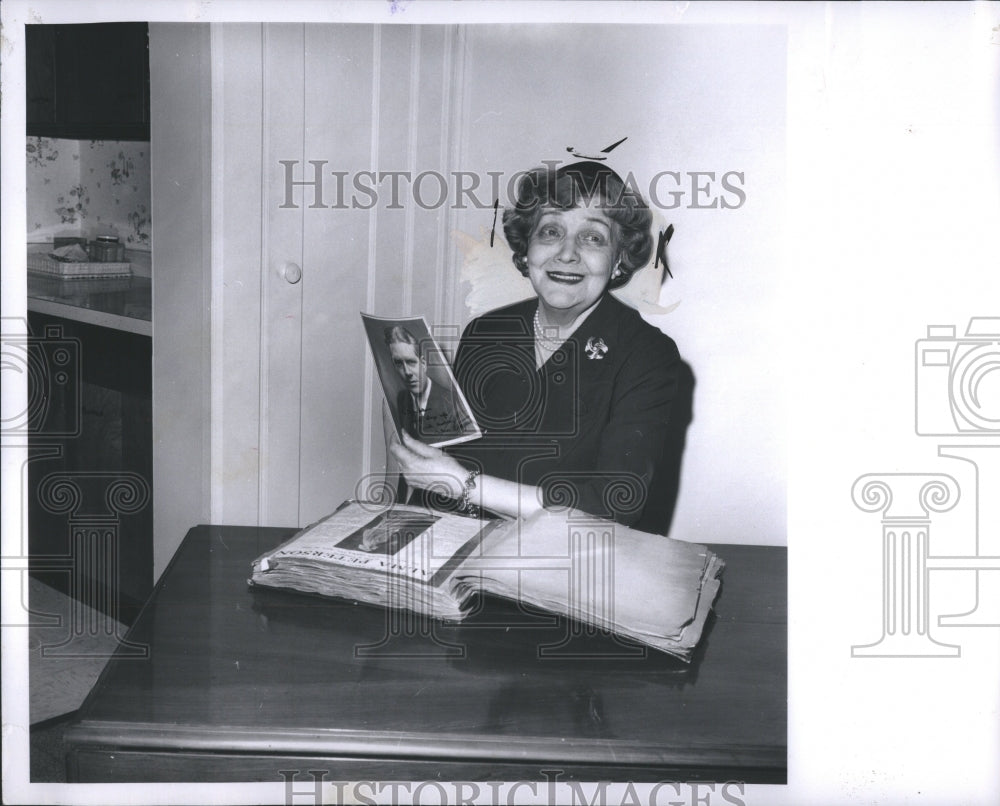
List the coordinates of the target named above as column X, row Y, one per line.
column 957, row 399
column 88, row 505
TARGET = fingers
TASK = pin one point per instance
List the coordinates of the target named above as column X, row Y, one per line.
column 411, row 465
column 424, row 466
column 412, row 454
column 419, row 448
column 401, row 454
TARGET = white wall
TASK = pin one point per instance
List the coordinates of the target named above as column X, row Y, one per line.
column 179, row 126
column 689, row 98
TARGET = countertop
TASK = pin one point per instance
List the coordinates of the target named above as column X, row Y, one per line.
column 119, row 303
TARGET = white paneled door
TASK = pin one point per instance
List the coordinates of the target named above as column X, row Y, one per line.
column 310, row 124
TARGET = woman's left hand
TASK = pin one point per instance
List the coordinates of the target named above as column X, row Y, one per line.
column 428, row 468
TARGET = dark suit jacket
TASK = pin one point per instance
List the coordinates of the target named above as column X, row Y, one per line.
column 589, row 427
column 443, row 418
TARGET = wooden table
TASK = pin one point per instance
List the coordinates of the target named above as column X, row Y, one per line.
column 242, row 683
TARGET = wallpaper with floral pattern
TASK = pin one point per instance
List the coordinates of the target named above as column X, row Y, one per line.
column 88, row 188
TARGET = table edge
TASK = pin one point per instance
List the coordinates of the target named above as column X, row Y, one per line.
column 437, row 746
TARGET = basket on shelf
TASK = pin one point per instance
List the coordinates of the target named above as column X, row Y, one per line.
column 41, row 263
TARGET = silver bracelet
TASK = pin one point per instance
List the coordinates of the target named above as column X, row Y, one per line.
column 466, row 505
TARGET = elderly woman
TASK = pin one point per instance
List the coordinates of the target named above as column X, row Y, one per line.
column 572, row 388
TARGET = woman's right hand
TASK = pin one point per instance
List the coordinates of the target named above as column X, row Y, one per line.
column 423, row 466
column 426, row 468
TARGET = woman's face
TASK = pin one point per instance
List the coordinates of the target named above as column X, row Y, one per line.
column 570, row 258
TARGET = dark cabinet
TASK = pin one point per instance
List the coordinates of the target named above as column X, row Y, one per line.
column 90, row 463
column 88, row 81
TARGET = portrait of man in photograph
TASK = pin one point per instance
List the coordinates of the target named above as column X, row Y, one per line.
column 428, row 410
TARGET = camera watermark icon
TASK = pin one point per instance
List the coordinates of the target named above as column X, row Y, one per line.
column 957, row 380
column 957, row 395
column 501, row 364
column 51, row 365
column 92, row 503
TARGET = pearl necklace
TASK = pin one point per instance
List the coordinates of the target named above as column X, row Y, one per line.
column 543, row 340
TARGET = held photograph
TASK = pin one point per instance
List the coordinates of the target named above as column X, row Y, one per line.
column 417, row 381
column 496, row 403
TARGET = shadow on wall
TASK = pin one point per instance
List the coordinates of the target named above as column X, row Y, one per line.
column 665, row 485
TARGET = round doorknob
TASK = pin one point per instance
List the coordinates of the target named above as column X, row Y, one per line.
column 292, row 272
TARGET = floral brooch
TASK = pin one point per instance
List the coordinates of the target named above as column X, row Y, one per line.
column 595, row 348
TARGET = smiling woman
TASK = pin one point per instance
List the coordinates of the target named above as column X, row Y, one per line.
column 572, row 388
column 570, row 261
